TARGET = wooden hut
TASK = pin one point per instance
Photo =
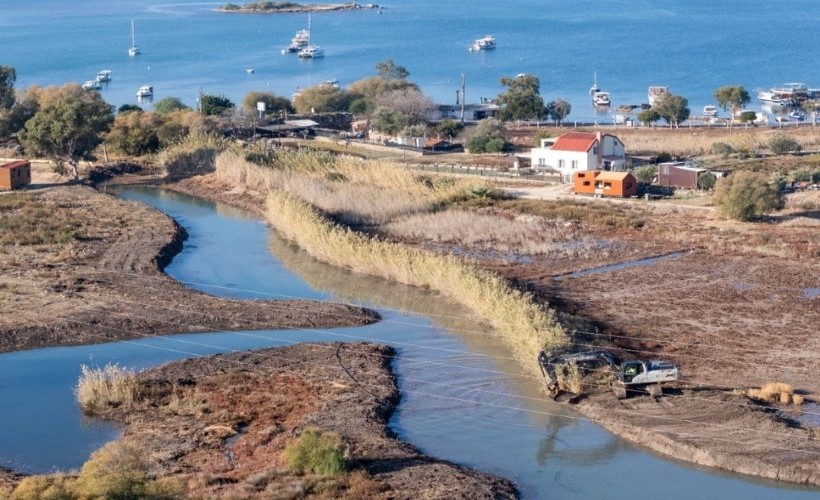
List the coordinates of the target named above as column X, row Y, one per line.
column 608, row 184
column 15, row 174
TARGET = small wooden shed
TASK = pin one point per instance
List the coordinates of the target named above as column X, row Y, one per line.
column 606, row 183
column 15, row 174
column 678, row 175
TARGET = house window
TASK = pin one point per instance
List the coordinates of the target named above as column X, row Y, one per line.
column 574, row 164
column 542, row 161
column 607, row 185
column 595, row 150
column 586, row 183
column 561, row 164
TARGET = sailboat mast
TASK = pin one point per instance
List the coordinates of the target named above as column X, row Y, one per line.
column 133, row 38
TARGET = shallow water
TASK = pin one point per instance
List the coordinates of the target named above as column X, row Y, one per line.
column 463, row 398
column 692, row 46
column 648, row 261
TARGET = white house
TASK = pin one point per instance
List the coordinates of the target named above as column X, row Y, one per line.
column 576, row 151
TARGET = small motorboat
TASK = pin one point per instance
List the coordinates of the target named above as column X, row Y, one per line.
column 91, row 85
column 710, row 111
column 601, row 98
column 485, row 43
column 145, row 91
column 104, row 76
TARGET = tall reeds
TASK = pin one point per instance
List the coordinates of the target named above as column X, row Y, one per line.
column 525, row 325
column 102, row 388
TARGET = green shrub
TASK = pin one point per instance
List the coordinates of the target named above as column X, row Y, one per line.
column 707, row 180
column 645, row 175
column 782, row 144
column 746, row 195
column 721, row 148
column 663, row 157
column 51, row 487
column 315, row 452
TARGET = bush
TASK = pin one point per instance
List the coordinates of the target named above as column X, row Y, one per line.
column 746, row 195
column 663, row 157
column 721, row 148
column 315, row 452
column 101, row 388
column 645, row 175
column 782, row 144
column 707, row 180
column 52, row 487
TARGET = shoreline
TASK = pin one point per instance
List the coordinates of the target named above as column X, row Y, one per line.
column 302, row 8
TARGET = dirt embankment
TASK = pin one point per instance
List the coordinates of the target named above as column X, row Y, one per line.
column 78, row 267
column 221, row 425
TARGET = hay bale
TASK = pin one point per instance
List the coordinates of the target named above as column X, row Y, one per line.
column 798, row 399
column 785, row 398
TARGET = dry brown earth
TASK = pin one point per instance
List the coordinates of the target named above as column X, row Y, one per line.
column 221, row 424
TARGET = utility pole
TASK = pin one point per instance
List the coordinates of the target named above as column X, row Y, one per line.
column 463, row 95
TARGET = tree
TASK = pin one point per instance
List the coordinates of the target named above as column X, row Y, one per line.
column 134, row 133
column 321, row 99
column 748, row 117
column 449, row 128
column 168, row 105
column 365, row 94
column 274, row 104
column 128, row 108
column 409, row 102
column 14, row 119
column 781, row 144
column 649, row 116
column 558, row 110
column 732, row 98
column 746, row 195
column 8, row 75
column 672, row 108
column 388, row 121
column 388, row 70
column 645, row 175
column 522, row 99
column 69, row 128
column 707, row 180
column 488, row 137
column 214, row 105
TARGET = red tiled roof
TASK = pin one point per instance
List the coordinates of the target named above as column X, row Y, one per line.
column 14, row 164
column 575, row 141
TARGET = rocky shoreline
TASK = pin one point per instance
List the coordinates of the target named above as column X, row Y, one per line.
column 296, row 8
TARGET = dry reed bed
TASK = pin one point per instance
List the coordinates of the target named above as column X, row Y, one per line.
column 525, row 325
column 686, row 142
column 344, row 188
column 499, row 232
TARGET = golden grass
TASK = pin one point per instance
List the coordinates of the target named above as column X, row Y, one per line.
column 526, row 326
column 194, row 154
column 101, row 388
column 776, row 392
column 694, row 142
column 352, row 191
column 27, row 219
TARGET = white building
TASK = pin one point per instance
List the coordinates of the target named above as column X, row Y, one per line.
column 577, row 151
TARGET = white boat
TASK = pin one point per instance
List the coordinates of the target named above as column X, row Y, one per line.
column 601, row 99
column 772, row 97
column 300, row 40
column 145, row 91
column 249, row 71
column 710, row 111
column 134, row 49
column 311, row 52
column 655, row 93
column 485, row 43
column 91, row 85
column 797, row 115
column 594, row 88
column 104, row 76
column 331, row 83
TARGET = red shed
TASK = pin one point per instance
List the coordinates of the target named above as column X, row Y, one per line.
column 15, row 174
column 676, row 175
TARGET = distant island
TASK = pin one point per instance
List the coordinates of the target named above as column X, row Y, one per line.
column 280, row 7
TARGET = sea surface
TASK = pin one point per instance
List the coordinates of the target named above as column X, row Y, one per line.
column 691, row 46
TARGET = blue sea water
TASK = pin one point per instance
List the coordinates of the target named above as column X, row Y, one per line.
column 691, row 46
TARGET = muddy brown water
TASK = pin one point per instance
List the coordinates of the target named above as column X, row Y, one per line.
column 464, row 398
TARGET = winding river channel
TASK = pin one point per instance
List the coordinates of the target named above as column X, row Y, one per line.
column 463, row 398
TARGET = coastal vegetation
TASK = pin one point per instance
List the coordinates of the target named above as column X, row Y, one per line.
column 747, row 195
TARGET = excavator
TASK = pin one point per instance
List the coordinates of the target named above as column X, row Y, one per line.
column 632, row 376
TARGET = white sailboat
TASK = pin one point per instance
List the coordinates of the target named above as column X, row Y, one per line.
column 310, row 51
column 134, row 49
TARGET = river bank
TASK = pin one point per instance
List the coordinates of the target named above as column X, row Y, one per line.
column 78, row 264
column 674, row 425
column 220, row 426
